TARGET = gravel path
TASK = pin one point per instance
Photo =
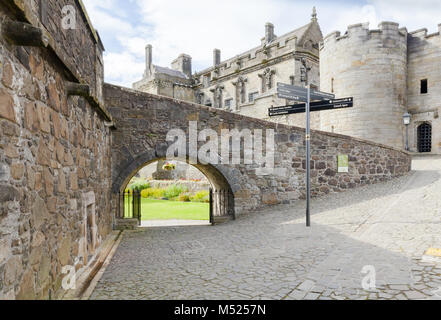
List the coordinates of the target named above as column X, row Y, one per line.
column 371, row 237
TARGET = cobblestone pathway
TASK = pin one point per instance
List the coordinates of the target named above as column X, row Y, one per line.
column 384, row 228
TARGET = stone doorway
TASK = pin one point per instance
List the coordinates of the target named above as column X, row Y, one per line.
column 424, row 133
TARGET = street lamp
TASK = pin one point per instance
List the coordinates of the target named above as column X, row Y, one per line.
column 406, row 121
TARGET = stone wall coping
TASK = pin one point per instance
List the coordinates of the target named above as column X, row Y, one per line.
column 239, row 117
column 93, row 31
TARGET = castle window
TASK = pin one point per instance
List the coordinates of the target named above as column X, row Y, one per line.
column 252, row 96
column 423, row 86
column 228, row 103
column 332, row 85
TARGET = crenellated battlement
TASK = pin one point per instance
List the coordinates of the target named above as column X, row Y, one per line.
column 360, row 32
column 423, row 33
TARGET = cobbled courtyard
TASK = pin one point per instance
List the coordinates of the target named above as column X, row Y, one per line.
column 381, row 231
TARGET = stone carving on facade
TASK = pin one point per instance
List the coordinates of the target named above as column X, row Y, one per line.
column 238, row 63
column 216, row 73
column 217, row 96
column 240, row 90
column 200, row 97
column 266, row 51
column 304, row 70
column 267, row 79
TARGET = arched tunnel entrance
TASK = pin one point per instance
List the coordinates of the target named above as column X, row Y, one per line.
column 218, row 197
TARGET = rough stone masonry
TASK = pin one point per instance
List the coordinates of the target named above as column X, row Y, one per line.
column 62, row 161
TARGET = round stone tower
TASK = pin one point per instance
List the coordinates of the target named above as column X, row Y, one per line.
column 371, row 66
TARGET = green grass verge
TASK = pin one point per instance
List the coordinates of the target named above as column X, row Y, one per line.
column 173, row 210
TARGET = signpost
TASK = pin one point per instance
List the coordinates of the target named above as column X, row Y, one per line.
column 308, row 158
column 314, row 106
column 325, row 101
column 296, row 93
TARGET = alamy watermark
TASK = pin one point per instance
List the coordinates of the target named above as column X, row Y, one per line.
column 233, row 147
column 69, row 281
column 368, row 282
column 69, row 20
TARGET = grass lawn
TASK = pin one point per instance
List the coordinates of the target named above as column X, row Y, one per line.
column 176, row 210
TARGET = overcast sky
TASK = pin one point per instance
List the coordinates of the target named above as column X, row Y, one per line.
column 196, row 27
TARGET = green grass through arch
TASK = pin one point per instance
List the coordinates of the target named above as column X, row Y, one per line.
column 173, row 210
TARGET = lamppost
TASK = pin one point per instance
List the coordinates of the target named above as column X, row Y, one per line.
column 406, row 121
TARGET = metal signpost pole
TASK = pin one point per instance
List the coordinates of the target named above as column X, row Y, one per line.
column 308, row 156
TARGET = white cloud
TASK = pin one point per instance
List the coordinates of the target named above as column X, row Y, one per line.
column 196, row 27
column 123, row 68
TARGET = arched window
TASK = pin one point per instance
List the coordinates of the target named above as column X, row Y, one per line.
column 424, row 137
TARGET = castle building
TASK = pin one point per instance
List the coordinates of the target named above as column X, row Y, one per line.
column 388, row 71
column 246, row 83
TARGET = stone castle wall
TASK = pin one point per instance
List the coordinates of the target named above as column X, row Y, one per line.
column 54, row 154
column 424, row 57
column 371, row 66
column 141, row 139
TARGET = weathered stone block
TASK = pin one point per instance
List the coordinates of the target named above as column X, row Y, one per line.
column 54, row 98
column 11, row 151
column 43, row 113
column 27, row 288
column 7, row 106
column 39, row 212
column 48, row 181
column 270, row 198
column 31, row 117
column 17, row 170
column 13, row 269
column 8, row 193
column 8, row 75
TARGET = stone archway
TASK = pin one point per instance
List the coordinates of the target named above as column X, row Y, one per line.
column 223, row 196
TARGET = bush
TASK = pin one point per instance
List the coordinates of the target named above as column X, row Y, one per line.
column 153, row 193
column 201, row 196
column 138, row 184
column 174, row 191
column 184, row 197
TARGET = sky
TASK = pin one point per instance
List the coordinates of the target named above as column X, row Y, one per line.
column 196, row 27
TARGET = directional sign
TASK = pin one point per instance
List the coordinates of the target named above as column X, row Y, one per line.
column 296, row 93
column 315, row 106
column 319, row 95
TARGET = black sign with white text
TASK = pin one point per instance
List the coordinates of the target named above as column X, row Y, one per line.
column 314, row 106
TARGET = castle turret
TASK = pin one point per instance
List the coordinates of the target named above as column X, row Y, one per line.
column 371, row 66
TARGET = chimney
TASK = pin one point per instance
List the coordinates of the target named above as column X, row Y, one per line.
column 148, row 58
column 183, row 64
column 269, row 32
column 216, row 57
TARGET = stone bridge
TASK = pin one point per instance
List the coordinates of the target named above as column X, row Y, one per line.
column 143, row 120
